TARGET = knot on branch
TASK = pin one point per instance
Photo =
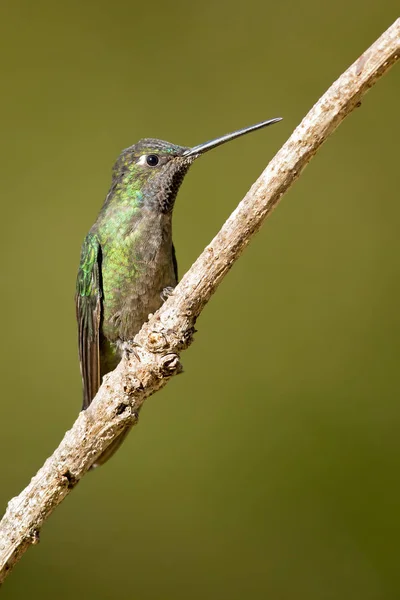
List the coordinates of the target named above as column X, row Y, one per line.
column 69, row 479
column 157, row 342
column 170, row 365
column 161, row 339
column 124, row 408
column 132, row 385
column 34, row 536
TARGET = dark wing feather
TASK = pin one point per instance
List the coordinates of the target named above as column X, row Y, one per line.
column 175, row 263
column 88, row 314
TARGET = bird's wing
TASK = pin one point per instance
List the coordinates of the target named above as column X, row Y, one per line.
column 88, row 313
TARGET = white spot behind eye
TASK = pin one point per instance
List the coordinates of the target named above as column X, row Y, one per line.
column 142, row 160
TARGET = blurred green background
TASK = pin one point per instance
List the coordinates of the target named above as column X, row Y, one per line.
column 270, row 469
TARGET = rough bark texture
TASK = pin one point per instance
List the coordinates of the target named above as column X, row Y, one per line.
column 156, row 357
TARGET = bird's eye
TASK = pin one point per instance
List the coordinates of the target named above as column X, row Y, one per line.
column 152, row 160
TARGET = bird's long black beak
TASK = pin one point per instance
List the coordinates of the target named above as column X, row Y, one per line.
column 201, row 148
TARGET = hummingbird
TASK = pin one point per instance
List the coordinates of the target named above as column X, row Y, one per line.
column 128, row 265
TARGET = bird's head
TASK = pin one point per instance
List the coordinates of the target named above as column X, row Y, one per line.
column 153, row 170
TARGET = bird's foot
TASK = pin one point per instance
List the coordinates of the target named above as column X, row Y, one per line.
column 128, row 348
column 166, row 293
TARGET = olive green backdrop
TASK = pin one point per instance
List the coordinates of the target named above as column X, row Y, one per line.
column 270, row 469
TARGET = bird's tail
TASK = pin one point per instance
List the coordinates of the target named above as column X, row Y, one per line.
column 113, row 447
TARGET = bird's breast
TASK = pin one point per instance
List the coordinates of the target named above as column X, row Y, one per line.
column 135, row 270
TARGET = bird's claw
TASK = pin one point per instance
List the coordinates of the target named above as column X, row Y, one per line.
column 166, row 293
column 129, row 348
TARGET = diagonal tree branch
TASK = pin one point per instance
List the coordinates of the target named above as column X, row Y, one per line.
column 155, row 359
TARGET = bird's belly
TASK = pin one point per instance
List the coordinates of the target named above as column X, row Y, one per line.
column 135, row 296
